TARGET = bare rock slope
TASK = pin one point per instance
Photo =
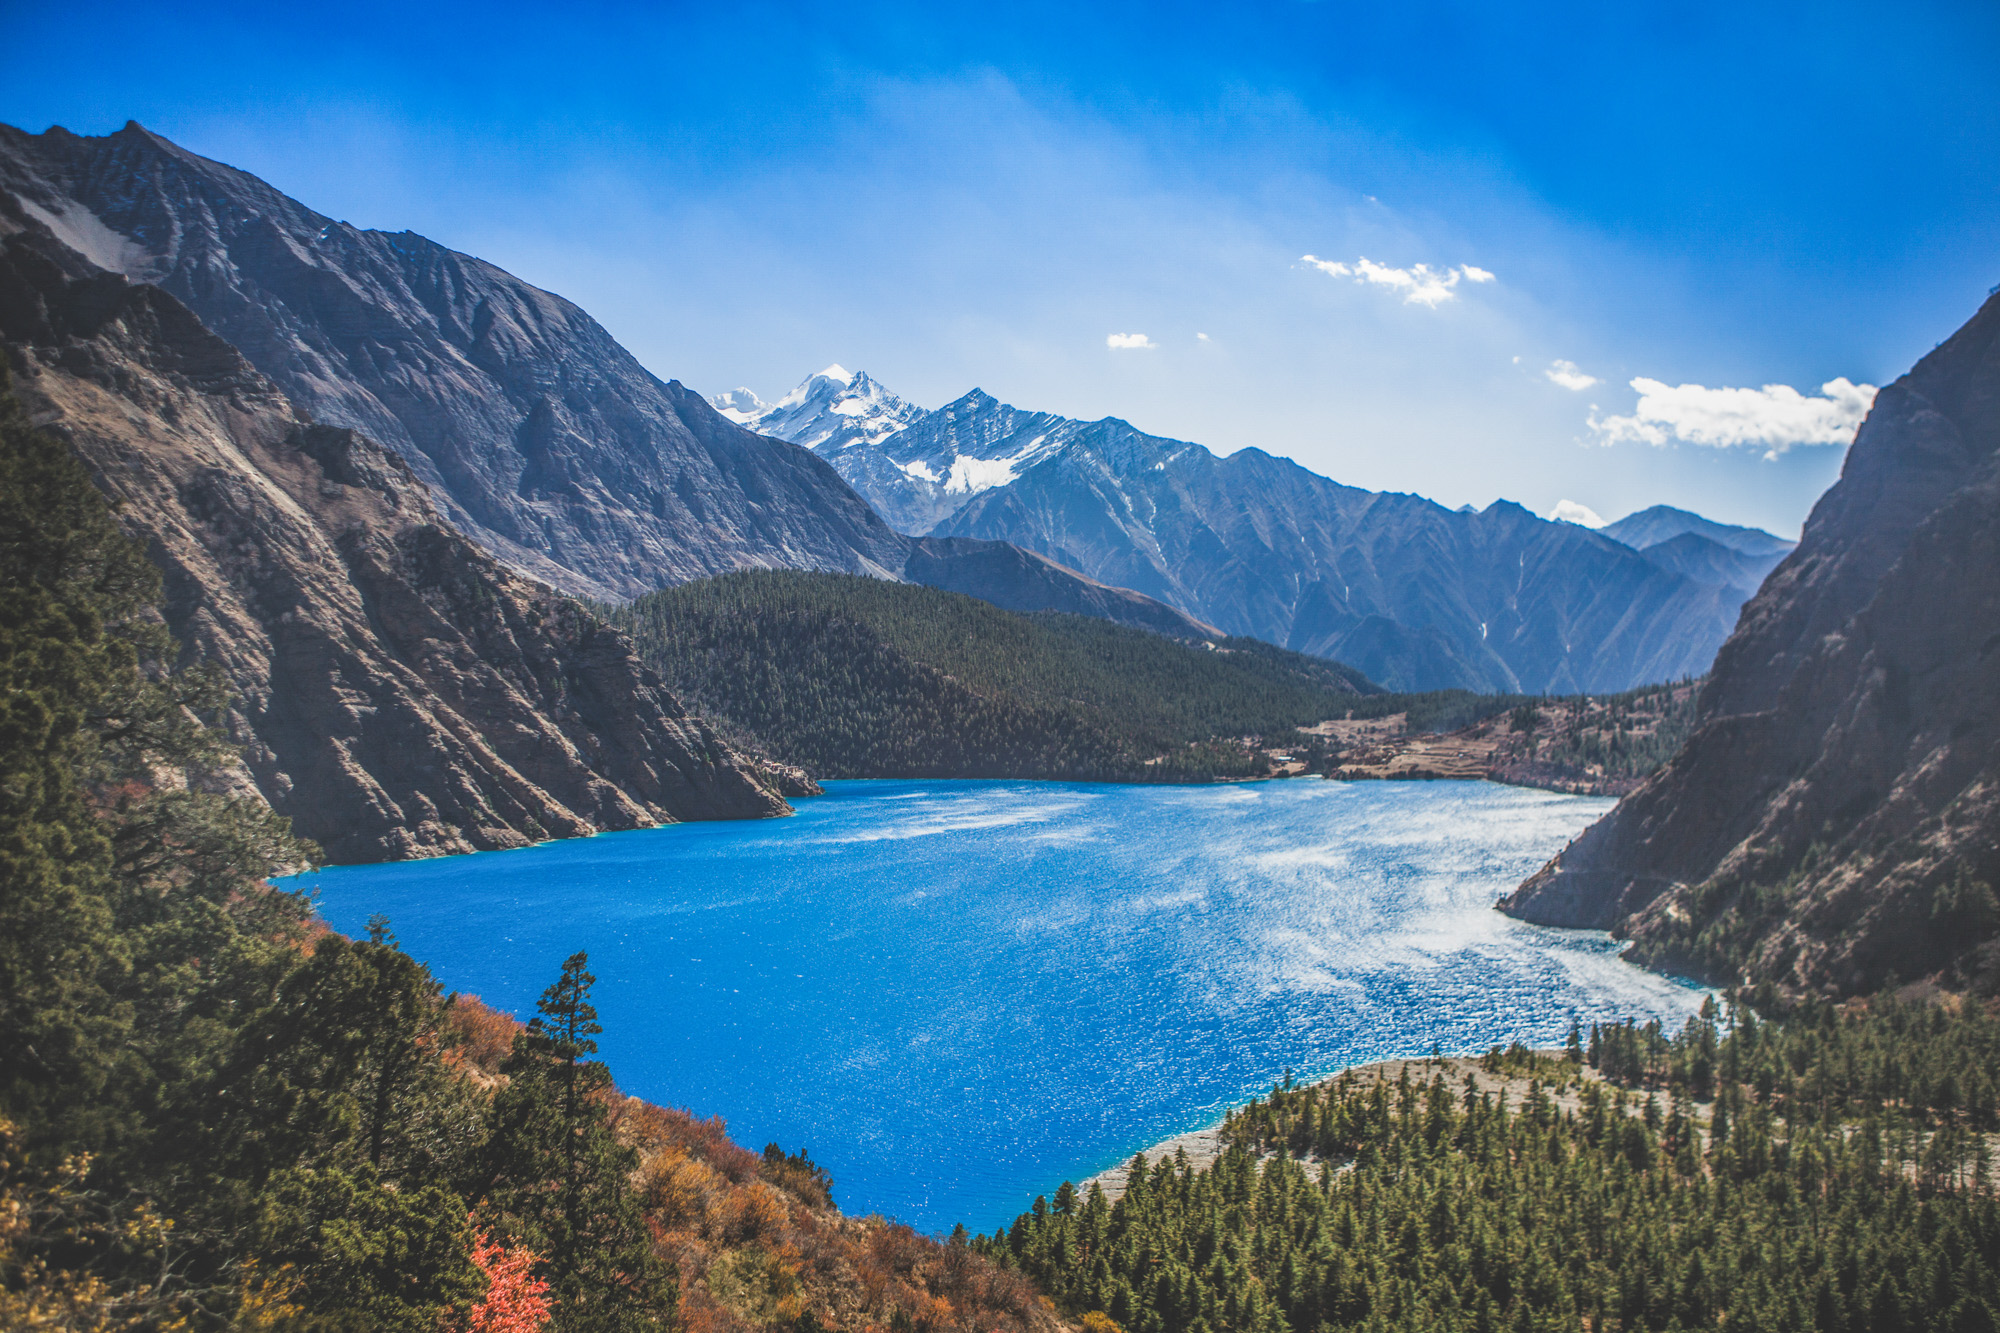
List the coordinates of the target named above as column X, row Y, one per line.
column 1834, row 821
column 537, row 433
column 398, row 692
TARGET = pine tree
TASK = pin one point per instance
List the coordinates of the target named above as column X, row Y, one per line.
column 555, row 1176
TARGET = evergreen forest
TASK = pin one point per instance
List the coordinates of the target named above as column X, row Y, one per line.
column 1829, row 1171
column 857, row 677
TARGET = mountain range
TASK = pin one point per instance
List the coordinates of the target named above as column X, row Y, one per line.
column 1833, row 823
column 1416, row 595
column 536, row 434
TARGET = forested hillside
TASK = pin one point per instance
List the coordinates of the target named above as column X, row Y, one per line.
column 214, row 1114
column 1831, row 1172
column 859, row 677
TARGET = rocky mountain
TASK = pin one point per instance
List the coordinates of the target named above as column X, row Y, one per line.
column 397, row 692
column 1661, row 523
column 1415, row 595
column 1834, row 821
column 537, row 433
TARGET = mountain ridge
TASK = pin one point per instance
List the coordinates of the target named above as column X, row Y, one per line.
column 1408, row 591
column 396, row 692
column 535, row 432
column 1834, row 820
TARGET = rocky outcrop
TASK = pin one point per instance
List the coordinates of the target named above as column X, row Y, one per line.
column 1834, row 821
column 398, row 693
column 537, row 433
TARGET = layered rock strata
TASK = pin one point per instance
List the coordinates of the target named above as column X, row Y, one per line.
column 398, row 693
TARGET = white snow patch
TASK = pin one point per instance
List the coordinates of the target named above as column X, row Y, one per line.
column 972, row 475
column 917, row 467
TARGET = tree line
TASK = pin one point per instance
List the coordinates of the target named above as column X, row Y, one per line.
column 1828, row 1171
column 858, row 677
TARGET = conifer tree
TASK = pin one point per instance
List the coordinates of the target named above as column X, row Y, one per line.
column 556, row 1178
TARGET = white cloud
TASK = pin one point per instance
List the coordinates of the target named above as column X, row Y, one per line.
column 1203, row 336
column 1126, row 341
column 1418, row 285
column 1567, row 374
column 1776, row 416
column 1569, row 511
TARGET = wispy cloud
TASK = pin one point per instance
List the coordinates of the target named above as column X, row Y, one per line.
column 1128, row 341
column 1569, row 511
column 1569, row 375
column 1777, row 416
column 1419, row 284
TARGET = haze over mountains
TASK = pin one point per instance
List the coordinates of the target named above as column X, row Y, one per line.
column 1414, row 594
column 537, row 434
column 545, row 441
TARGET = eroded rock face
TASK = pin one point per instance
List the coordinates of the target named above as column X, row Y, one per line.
column 537, row 433
column 398, row 692
column 1834, row 822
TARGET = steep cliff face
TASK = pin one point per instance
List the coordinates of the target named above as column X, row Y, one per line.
column 398, row 692
column 1835, row 819
column 537, row 433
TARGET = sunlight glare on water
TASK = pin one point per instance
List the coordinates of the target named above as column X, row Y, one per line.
column 958, row 994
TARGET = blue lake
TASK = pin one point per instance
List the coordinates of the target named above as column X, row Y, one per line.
column 959, row 994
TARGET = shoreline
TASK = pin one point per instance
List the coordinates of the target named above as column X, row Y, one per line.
column 1204, row 1147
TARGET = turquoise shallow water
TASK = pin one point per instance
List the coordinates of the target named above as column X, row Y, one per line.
column 958, row 994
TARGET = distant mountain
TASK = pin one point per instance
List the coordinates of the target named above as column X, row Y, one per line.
column 1705, row 561
column 859, row 677
column 834, row 410
column 396, row 692
column 1416, row 595
column 1833, row 823
column 1650, row 527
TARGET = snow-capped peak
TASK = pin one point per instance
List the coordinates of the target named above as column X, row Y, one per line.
column 829, row 411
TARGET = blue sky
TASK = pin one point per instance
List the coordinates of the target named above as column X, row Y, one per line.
column 1722, row 197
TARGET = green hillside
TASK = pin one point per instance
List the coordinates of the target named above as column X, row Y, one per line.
column 1829, row 1172
column 857, row 677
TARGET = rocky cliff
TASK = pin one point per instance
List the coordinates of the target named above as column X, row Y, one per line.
column 397, row 692
column 1834, row 821
column 537, row 433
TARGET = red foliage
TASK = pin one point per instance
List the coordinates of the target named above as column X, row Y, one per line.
column 516, row 1301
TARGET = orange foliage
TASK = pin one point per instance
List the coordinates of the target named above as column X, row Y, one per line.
column 779, row 1250
column 516, row 1301
column 480, row 1035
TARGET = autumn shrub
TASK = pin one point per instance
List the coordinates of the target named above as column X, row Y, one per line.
column 481, row 1035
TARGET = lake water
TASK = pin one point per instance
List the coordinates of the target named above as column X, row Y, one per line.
column 959, row 994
